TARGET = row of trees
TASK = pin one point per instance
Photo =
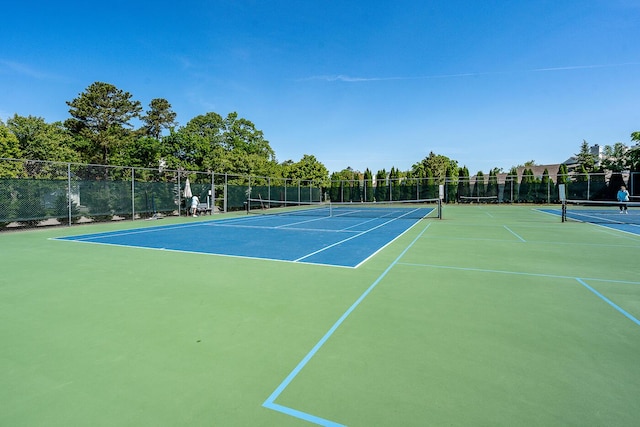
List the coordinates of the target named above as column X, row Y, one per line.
column 108, row 127
column 102, row 130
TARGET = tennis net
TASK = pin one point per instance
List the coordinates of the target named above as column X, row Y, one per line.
column 478, row 199
column 283, row 207
column 401, row 209
column 601, row 212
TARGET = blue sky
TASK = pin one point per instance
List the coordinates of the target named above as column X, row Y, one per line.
column 361, row 84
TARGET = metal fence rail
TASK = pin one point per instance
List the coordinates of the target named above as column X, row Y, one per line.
column 503, row 189
column 39, row 193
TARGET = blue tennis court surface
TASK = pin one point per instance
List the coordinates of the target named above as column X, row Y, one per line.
column 343, row 241
column 606, row 217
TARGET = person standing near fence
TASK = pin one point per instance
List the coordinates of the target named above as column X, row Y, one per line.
column 194, row 205
column 623, row 196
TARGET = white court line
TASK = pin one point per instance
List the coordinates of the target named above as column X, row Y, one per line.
column 514, row 233
column 280, row 227
column 353, row 237
column 106, row 234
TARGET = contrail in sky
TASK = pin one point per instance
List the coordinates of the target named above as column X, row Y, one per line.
column 23, row 69
column 349, row 79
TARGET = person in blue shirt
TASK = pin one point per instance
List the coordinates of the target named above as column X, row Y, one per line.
column 623, row 196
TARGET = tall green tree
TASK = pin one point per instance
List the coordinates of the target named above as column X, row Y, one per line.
column 9, row 143
column 394, row 183
column 243, row 136
column 232, row 145
column 451, row 181
column 479, row 189
column 616, row 157
column 159, row 116
column 341, row 184
column 464, row 185
column 511, row 186
column 368, row 186
column 197, row 145
column 438, row 164
column 42, row 141
column 585, row 158
column 492, row 184
column 345, row 185
column 101, row 115
column 429, row 186
column 9, row 149
column 347, row 174
column 633, row 157
column 382, row 189
column 144, row 152
column 616, row 160
column 634, row 153
column 527, row 186
column 563, row 176
column 308, row 169
column 247, row 149
column 544, row 190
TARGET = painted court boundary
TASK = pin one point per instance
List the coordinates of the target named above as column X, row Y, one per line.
column 582, row 281
column 315, row 253
column 270, row 404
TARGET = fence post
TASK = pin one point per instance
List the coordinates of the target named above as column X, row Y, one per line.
column 224, row 193
column 213, row 192
column 69, row 202
column 133, row 194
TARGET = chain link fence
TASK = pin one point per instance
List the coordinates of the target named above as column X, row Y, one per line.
column 496, row 189
column 38, row 193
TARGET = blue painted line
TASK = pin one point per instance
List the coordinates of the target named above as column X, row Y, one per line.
column 301, row 415
column 269, row 403
column 514, row 233
column 346, row 240
column 484, row 270
column 631, row 228
column 608, row 301
column 581, row 281
column 517, row 273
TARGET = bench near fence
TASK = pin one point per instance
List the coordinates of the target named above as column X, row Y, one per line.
column 203, row 208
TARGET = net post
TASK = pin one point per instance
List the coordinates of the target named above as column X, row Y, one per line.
column 439, row 208
column 564, row 211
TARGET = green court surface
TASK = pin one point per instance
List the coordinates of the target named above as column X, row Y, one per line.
column 494, row 316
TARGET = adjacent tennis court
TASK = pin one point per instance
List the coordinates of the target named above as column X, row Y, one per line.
column 616, row 215
column 495, row 315
column 338, row 235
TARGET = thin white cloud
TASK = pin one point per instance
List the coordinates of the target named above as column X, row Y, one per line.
column 184, row 61
column 585, row 67
column 349, row 79
column 23, row 69
column 343, row 78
